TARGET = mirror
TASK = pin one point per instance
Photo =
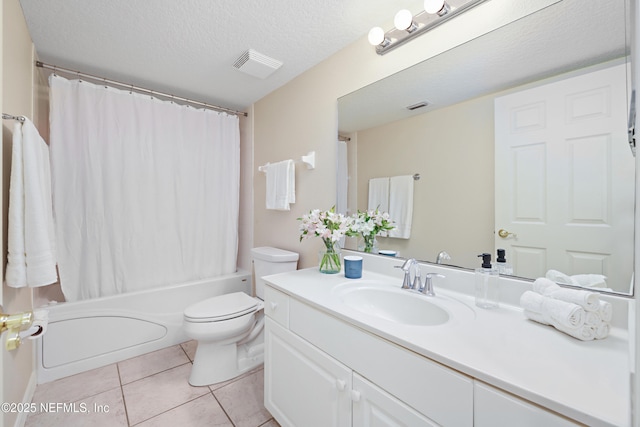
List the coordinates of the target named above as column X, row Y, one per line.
column 450, row 142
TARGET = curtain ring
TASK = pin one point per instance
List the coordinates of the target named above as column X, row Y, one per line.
column 131, row 90
column 78, row 75
column 55, row 71
column 104, row 82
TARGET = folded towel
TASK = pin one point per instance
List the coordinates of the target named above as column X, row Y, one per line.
column 590, row 301
column 401, row 205
column 378, row 194
column 31, row 259
column 280, row 185
column 553, row 311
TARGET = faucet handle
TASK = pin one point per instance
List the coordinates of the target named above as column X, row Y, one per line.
column 417, row 280
column 428, row 284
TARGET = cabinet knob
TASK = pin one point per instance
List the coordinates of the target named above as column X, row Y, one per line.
column 355, row 395
column 341, row 385
column 274, row 305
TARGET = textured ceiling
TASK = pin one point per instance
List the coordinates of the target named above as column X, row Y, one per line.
column 188, row 47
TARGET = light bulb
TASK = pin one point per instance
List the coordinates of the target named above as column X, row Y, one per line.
column 376, row 36
column 433, row 6
column 403, row 20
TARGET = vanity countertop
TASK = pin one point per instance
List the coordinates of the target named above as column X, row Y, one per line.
column 586, row 381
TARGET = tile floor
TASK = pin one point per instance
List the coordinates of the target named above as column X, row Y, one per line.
column 151, row 390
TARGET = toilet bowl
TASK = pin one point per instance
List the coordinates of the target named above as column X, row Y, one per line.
column 229, row 328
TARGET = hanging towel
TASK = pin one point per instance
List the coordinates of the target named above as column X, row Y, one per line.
column 31, row 259
column 401, row 205
column 281, row 185
column 378, row 194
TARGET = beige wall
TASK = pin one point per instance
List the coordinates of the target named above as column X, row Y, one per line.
column 452, row 149
column 21, row 95
column 302, row 116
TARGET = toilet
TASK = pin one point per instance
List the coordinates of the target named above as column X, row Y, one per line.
column 229, row 328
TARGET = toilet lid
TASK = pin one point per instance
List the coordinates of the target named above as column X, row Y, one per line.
column 220, row 308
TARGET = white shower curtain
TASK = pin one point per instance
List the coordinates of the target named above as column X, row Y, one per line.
column 145, row 191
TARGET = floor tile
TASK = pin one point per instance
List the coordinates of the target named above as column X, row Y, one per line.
column 79, row 386
column 204, row 411
column 243, row 400
column 151, row 363
column 224, row 383
column 101, row 410
column 159, row 393
column 270, row 423
column 190, row 348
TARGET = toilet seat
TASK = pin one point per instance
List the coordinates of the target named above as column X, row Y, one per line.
column 222, row 307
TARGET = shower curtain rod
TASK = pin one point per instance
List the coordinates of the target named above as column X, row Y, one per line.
column 55, row 69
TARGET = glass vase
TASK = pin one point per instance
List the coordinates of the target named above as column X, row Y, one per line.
column 368, row 244
column 330, row 259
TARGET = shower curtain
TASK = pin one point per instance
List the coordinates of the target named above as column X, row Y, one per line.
column 145, row 192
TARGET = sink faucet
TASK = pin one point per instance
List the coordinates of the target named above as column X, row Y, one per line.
column 442, row 256
column 427, row 289
column 406, row 267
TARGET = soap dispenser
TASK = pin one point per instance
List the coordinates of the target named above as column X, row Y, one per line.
column 502, row 265
column 486, row 278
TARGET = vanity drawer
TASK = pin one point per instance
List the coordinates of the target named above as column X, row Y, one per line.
column 276, row 305
column 440, row 393
column 496, row 407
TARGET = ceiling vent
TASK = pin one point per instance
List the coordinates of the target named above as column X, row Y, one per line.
column 418, row 105
column 256, row 64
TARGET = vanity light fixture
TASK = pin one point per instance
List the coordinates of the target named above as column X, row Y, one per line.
column 407, row 26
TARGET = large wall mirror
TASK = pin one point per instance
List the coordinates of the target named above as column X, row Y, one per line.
column 564, row 201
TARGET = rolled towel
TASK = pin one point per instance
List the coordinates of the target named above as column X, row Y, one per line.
column 590, row 301
column 584, row 333
column 602, row 330
column 606, row 311
column 590, row 280
column 553, row 311
column 592, row 318
column 559, row 277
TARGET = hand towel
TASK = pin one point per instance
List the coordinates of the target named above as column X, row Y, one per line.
column 590, row 301
column 554, row 312
column 378, row 194
column 31, row 259
column 280, row 185
column 401, row 205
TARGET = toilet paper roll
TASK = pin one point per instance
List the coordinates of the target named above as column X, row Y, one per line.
column 39, row 325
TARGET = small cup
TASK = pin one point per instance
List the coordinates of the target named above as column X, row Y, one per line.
column 352, row 267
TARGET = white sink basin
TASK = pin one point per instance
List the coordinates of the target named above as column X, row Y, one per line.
column 395, row 305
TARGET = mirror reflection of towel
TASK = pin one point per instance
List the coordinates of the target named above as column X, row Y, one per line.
column 401, row 205
column 379, row 194
column 281, row 185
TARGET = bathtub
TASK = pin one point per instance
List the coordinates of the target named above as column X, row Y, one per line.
column 89, row 334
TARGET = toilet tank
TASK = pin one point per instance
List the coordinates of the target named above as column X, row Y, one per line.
column 268, row 260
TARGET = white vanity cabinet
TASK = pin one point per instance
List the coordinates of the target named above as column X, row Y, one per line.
column 304, row 386
column 320, row 371
column 494, row 407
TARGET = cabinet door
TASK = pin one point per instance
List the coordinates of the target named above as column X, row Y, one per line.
column 495, row 408
column 303, row 386
column 373, row 407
